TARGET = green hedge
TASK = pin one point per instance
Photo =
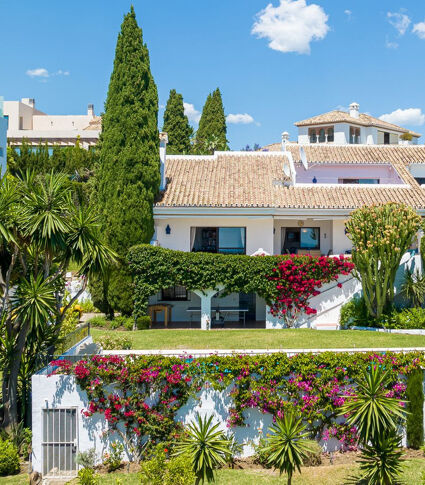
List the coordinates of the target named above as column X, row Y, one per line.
column 415, row 418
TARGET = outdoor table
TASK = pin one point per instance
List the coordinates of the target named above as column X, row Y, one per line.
column 219, row 311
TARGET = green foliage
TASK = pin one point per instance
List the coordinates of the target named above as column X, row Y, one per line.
column 380, row 461
column 160, row 471
column 354, row 314
column 20, row 437
column 114, row 342
column 112, row 460
column 143, row 322
column 176, row 125
column 415, row 418
column 86, row 459
column 408, row 318
column 207, row 447
column 88, row 307
column 314, row 454
column 87, row 476
column 413, row 288
column 380, row 236
column 286, row 445
column 98, row 321
column 9, row 458
column 406, row 136
column 372, row 410
column 212, row 131
column 128, row 177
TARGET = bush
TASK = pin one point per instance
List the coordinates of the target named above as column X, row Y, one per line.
column 114, row 342
column 112, row 460
column 9, row 458
column 159, row 471
column 98, row 322
column 408, row 319
column 415, row 418
column 314, row 454
column 87, row 476
column 354, row 314
column 122, row 321
column 261, row 456
column 86, row 459
column 143, row 322
column 88, row 306
column 19, row 436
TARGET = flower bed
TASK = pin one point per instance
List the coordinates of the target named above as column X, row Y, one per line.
column 315, row 385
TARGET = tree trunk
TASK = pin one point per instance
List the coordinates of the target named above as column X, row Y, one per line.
column 10, row 384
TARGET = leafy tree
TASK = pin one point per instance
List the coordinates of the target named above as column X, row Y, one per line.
column 380, row 236
column 41, row 230
column 415, row 418
column 207, row 446
column 176, row 125
column 287, row 446
column 128, row 175
column 212, row 131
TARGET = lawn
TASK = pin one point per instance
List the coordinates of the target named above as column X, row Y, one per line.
column 264, row 339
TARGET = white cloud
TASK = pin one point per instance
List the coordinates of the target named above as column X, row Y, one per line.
column 291, row 26
column 239, row 119
column 419, row 29
column 38, row 72
column 400, row 21
column 409, row 116
column 348, row 12
column 41, row 72
column 389, row 44
column 192, row 113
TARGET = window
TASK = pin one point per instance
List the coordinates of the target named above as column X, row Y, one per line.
column 175, row 293
column 301, row 238
column 420, row 180
column 228, row 240
column 321, row 135
column 6, row 117
column 358, row 181
column 1, row 151
column 354, row 135
column 386, row 138
column 312, row 135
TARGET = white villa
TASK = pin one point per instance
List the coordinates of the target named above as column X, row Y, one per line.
column 288, row 198
column 3, row 139
column 25, row 121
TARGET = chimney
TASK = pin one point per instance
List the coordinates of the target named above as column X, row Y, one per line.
column 354, row 110
column 90, row 110
column 163, row 140
column 29, row 102
column 285, row 140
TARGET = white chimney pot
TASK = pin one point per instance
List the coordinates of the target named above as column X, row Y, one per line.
column 163, row 140
column 354, row 110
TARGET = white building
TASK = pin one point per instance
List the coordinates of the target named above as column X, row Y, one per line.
column 352, row 127
column 3, row 140
column 25, row 121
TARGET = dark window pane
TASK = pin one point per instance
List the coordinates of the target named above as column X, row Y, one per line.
column 231, row 240
column 174, row 293
column 310, row 238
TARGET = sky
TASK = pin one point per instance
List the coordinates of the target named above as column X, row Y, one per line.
column 275, row 62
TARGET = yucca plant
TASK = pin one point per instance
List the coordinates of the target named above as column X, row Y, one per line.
column 380, row 462
column 207, row 446
column 286, row 446
column 371, row 410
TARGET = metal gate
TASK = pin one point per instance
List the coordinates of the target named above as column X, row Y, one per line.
column 60, row 442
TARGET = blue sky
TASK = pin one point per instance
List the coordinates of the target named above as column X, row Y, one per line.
column 276, row 62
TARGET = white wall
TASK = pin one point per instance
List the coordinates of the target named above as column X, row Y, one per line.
column 340, row 241
column 3, row 144
column 259, row 231
column 61, row 122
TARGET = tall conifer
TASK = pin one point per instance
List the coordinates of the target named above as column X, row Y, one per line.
column 176, row 124
column 212, row 131
column 128, row 176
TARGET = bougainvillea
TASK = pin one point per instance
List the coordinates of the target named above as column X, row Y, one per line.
column 297, row 280
column 144, row 393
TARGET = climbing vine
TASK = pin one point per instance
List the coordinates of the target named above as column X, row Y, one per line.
column 144, row 393
column 285, row 282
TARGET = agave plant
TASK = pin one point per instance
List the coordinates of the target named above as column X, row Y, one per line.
column 372, row 411
column 413, row 288
column 286, row 447
column 380, row 461
column 207, row 446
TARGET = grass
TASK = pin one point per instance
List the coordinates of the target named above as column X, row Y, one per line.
column 264, row 339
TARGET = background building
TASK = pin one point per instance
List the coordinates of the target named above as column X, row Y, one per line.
column 3, row 139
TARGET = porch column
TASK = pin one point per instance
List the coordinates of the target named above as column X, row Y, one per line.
column 206, row 296
column 272, row 321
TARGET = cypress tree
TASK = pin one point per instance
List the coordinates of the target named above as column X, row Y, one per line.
column 129, row 175
column 176, row 124
column 415, row 418
column 212, row 131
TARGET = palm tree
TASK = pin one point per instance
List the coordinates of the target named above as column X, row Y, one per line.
column 286, row 446
column 413, row 288
column 207, row 446
column 40, row 231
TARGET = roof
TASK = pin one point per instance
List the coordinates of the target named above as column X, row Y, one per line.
column 95, row 124
column 254, row 179
column 364, row 119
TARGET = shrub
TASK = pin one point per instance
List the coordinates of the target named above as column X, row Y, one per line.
column 9, row 458
column 112, row 460
column 408, row 319
column 261, row 456
column 129, row 323
column 159, row 471
column 143, row 322
column 114, row 342
column 88, row 306
column 21, row 437
column 415, row 418
column 354, row 314
column 314, row 454
column 98, row 321
column 87, row 476
column 86, row 459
